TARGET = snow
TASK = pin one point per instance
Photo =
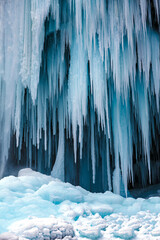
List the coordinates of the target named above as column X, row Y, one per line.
column 36, row 206
column 42, row 228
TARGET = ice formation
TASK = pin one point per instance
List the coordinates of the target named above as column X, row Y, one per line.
column 36, row 206
column 79, row 87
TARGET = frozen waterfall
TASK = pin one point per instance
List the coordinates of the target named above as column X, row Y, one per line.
column 79, row 90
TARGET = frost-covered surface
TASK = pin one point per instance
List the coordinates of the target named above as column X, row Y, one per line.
column 42, row 228
column 34, row 205
column 81, row 66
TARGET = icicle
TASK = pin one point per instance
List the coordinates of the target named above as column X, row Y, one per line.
column 39, row 11
column 144, row 119
column 58, row 169
column 98, row 83
column 155, row 55
column 157, row 5
column 143, row 5
column 108, row 167
column 92, row 147
column 77, row 90
column 18, row 112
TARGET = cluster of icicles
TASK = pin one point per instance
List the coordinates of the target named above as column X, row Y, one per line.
column 114, row 57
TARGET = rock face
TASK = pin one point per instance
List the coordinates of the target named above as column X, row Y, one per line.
column 40, row 229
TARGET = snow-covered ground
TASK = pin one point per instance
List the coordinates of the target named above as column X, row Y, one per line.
column 36, row 206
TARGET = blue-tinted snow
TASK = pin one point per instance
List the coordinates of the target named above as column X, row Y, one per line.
column 33, row 202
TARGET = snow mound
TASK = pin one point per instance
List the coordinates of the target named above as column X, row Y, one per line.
column 8, row 236
column 42, row 228
column 36, row 206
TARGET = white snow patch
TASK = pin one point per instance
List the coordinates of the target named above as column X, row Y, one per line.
column 42, row 228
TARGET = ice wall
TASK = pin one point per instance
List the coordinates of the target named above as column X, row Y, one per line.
column 72, row 70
